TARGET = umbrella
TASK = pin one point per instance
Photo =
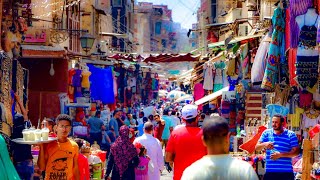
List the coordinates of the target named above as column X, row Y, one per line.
column 175, row 94
column 163, row 93
column 185, row 97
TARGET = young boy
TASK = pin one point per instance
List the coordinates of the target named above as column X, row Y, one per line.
column 59, row 159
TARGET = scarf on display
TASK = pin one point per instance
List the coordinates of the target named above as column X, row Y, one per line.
column 123, row 150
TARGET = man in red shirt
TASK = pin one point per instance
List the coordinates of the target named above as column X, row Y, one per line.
column 158, row 128
column 185, row 145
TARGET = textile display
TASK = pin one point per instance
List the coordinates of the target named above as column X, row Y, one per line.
column 102, row 84
column 307, row 70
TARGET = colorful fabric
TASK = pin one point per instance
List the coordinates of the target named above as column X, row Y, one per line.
column 141, row 171
column 259, row 64
column 208, row 76
column 123, row 150
column 7, row 170
column 308, row 35
column 283, row 143
column 297, row 8
column 276, row 51
column 292, row 58
column 85, row 83
column 307, row 70
column 218, row 78
column 305, row 99
column 186, row 145
column 198, row 93
column 233, row 82
column 76, row 78
column 83, row 167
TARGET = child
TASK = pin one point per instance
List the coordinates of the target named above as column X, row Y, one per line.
column 142, row 170
column 82, row 162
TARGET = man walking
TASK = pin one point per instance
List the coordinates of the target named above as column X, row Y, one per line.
column 185, row 145
column 95, row 128
column 113, row 124
column 154, row 151
column 59, row 159
column 218, row 164
column 167, row 128
column 281, row 145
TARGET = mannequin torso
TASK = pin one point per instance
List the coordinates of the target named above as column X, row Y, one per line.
column 311, row 18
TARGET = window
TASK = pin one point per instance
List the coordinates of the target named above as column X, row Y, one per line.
column 158, row 28
column 214, row 10
column 117, row 3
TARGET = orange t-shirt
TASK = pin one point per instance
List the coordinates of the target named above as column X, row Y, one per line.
column 186, row 145
column 60, row 160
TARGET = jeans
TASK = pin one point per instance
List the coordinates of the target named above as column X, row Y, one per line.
column 25, row 169
column 96, row 137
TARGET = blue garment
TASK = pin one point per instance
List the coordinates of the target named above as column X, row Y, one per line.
column 282, row 143
column 102, row 84
column 140, row 126
column 25, row 169
column 114, row 124
column 95, row 124
column 168, row 125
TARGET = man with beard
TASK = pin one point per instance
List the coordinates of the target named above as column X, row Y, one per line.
column 281, row 145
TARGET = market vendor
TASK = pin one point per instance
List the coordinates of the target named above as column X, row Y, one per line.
column 59, row 159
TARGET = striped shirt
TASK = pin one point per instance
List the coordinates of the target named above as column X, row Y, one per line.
column 282, row 143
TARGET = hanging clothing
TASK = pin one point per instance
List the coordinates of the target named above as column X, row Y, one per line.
column 297, row 8
column 292, row 58
column 218, row 78
column 198, row 93
column 276, row 51
column 85, row 83
column 233, row 81
column 305, row 99
column 71, row 73
column 102, row 84
column 7, row 170
column 281, row 94
column 259, row 63
column 208, row 76
column 76, row 78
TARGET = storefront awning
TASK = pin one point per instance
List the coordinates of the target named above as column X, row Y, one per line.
column 235, row 40
column 211, row 96
column 40, row 51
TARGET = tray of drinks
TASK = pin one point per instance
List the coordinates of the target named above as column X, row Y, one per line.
column 22, row 141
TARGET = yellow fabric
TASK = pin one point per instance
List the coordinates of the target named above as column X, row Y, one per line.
column 85, row 83
column 60, row 160
column 295, row 118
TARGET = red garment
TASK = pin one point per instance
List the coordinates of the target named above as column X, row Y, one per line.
column 250, row 145
column 83, row 167
column 198, row 93
column 315, row 130
column 133, row 137
column 186, row 145
column 71, row 72
column 158, row 130
column 292, row 58
column 305, row 99
column 287, row 30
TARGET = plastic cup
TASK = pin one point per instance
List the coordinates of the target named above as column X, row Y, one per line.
column 25, row 134
column 38, row 133
column 45, row 134
column 32, row 136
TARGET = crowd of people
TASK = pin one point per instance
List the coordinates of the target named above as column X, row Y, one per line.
column 184, row 141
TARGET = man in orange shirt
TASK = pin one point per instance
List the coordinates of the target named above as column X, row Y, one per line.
column 185, row 145
column 59, row 159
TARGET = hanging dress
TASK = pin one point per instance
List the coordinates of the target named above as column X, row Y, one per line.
column 276, row 51
column 208, row 76
column 218, row 78
column 307, row 66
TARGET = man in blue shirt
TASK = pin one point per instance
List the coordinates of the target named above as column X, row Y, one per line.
column 281, row 145
column 113, row 124
column 167, row 128
column 95, row 128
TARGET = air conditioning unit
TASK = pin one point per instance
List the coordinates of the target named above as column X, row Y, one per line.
column 243, row 30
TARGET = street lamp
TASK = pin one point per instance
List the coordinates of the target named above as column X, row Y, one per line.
column 87, row 41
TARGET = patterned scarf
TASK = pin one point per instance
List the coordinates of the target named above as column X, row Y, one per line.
column 123, row 150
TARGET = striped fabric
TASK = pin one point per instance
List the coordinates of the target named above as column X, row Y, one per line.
column 297, row 8
column 282, row 143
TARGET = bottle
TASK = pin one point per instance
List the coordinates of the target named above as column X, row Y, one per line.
column 45, row 131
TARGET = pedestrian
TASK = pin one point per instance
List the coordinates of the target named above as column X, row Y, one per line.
column 113, row 124
column 143, row 167
column 123, row 158
column 201, row 120
column 218, row 164
column 159, row 127
column 154, row 151
column 60, row 158
column 105, row 143
column 141, row 122
column 132, row 136
column 185, row 145
column 175, row 119
column 83, row 163
column 167, row 128
column 281, row 146
column 95, row 128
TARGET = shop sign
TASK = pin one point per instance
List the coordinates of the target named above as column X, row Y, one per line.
column 39, row 36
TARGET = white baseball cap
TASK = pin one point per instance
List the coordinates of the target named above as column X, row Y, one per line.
column 189, row 111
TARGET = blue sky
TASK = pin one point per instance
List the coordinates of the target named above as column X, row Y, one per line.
column 183, row 11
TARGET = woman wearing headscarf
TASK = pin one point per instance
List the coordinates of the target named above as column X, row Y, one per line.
column 123, row 158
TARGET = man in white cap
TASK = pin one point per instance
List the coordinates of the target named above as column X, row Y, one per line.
column 185, row 145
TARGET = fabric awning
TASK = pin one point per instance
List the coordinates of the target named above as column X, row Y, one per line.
column 235, row 40
column 211, row 96
column 41, row 51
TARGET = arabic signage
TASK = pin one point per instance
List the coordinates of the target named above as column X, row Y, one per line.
column 35, row 36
